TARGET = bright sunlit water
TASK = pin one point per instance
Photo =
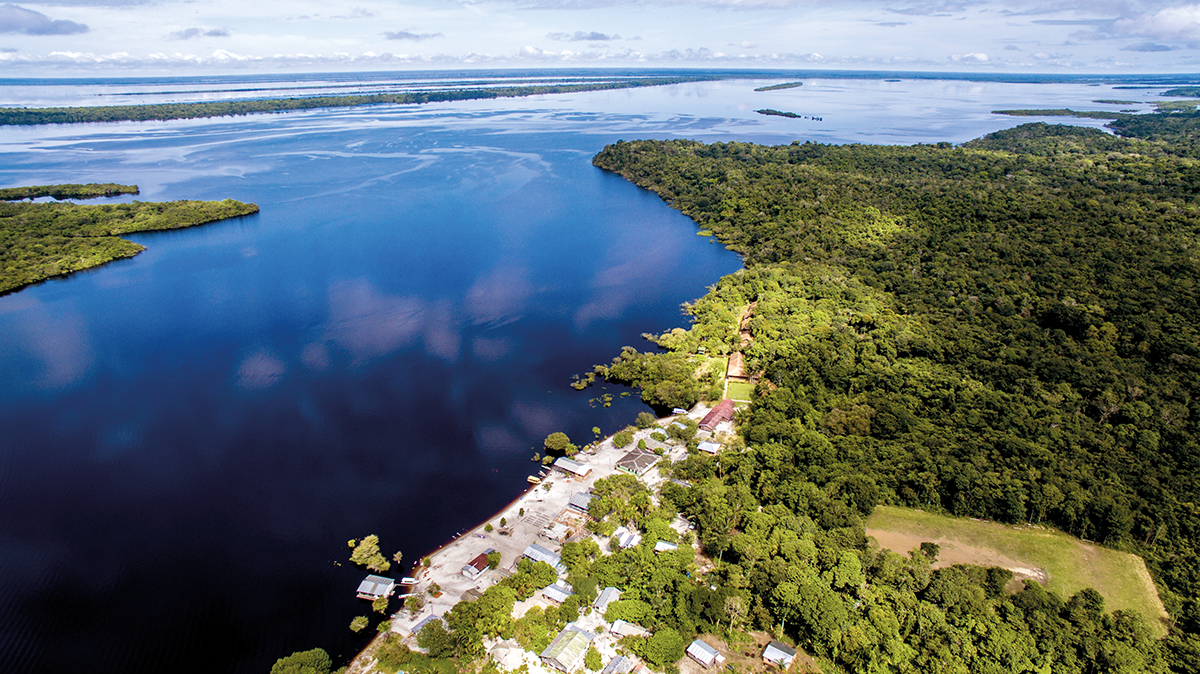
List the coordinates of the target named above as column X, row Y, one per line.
column 188, row 438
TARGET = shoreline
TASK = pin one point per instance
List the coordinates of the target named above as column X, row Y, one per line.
column 544, row 505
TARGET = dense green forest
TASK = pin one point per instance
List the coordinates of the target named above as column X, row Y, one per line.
column 42, row 240
column 69, row 191
column 167, row 111
column 1003, row 329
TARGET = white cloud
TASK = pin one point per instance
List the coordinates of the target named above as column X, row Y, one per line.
column 409, row 35
column 1174, row 24
column 191, row 33
column 14, row 19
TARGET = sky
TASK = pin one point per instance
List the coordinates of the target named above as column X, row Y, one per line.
column 132, row 37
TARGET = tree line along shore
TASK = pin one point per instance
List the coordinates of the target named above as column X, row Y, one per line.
column 40, row 240
column 1004, row 329
column 169, row 111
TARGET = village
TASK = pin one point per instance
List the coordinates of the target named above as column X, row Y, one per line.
column 547, row 516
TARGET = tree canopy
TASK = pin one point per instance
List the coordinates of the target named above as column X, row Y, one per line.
column 1004, row 329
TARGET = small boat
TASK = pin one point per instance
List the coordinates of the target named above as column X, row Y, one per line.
column 533, row 479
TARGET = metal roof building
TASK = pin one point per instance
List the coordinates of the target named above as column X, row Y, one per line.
column 663, row 546
column 722, row 412
column 580, row 501
column 374, row 587
column 566, row 652
column 628, row 629
column 618, row 665
column 709, row 446
column 608, row 596
column 557, row 593
column 573, row 467
column 539, row 554
column 704, row 654
column 626, row 538
column 779, row 653
column 416, row 629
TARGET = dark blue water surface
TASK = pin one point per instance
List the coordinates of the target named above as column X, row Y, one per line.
column 190, row 437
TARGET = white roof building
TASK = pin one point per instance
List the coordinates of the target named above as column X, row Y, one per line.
column 706, row 655
column 374, row 587
column 663, row 546
column 779, row 653
column 628, row 629
column 606, row 597
column 572, row 467
column 709, row 446
column 557, row 593
column 539, row 554
column 626, row 538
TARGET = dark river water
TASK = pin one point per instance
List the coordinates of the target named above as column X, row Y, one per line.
column 189, row 438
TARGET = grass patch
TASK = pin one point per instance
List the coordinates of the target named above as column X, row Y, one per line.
column 740, row 390
column 1068, row 564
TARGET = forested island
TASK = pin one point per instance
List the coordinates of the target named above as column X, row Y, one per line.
column 779, row 87
column 168, row 111
column 42, row 240
column 1005, row 329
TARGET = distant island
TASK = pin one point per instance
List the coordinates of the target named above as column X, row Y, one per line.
column 43, row 240
column 777, row 87
column 1061, row 112
column 169, row 111
column 88, row 191
column 780, row 113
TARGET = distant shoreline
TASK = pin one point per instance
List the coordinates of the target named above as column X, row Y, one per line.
column 198, row 110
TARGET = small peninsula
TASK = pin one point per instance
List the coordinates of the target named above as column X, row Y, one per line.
column 43, row 240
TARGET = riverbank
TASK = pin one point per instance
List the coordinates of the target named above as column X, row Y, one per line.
column 542, row 514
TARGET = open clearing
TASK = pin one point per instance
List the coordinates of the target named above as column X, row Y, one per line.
column 1064, row 564
column 740, row 391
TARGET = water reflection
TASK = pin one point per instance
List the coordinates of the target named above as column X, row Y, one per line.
column 379, row 350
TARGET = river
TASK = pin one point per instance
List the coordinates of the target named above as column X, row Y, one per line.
column 191, row 436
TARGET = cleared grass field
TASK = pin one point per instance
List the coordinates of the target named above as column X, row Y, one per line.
column 740, row 390
column 1064, row 564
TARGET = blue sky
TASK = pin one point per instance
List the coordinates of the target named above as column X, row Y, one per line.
column 196, row 36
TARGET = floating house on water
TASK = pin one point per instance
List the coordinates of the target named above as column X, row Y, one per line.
column 374, row 587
